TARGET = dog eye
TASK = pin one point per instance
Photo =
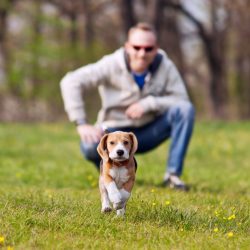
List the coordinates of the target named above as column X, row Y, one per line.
column 111, row 143
column 125, row 142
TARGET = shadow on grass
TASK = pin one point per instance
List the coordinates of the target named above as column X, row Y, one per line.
column 192, row 188
column 146, row 183
column 196, row 188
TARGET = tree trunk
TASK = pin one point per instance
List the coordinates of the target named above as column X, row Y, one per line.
column 214, row 49
column 242, row 60
column 3, row 45
column 89, row 29
column 127, row 14
column 73, row 29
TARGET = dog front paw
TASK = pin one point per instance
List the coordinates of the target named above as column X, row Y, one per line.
column 120, row 212
column 106, row 209
column 118, row 205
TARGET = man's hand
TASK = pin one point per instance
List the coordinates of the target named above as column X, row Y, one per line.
column 134, row 111
column 89, row 133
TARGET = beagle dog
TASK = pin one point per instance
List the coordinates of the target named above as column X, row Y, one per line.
column 117, row 170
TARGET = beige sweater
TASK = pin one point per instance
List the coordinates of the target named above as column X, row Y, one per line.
column 118, row 90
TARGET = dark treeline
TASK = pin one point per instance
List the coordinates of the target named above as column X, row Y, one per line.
column 41, row 40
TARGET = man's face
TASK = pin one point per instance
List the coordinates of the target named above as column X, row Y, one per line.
column 141, row 48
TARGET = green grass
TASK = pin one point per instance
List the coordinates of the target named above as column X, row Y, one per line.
column 49, row 197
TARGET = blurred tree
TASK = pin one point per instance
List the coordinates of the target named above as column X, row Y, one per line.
column 41, row 40
column 37, row 35
column 5, row 7
column 214, row 46
column 239, row 23
column 127, row 14
column 89, row 27
column 169, row 34
column 71, row 9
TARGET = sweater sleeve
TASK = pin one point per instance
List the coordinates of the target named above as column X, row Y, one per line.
column 76, row 82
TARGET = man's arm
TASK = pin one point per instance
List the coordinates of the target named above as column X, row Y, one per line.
column 135, row 111
column 76, row 82
column 72, row 87
column 89, row 133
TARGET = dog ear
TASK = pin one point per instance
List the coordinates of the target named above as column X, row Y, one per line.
column 102, row 148
column 134, row 143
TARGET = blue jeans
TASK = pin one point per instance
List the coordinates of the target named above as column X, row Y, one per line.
column 176, row 123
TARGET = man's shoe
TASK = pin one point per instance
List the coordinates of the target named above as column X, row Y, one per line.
column 174, row 182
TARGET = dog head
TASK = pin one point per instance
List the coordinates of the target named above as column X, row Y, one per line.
column 117, row 146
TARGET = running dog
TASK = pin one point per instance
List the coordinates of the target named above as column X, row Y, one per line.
column 117, row 170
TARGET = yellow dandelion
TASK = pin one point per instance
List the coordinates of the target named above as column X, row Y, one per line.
column 231, row 217
column 181, row 229
column 18, row 175
column 10, row 248
column 48, row 193
column 90, row 177
column 153, row 203
column 152, row 190
column 1, row 239
column 167, row 203
column 230, row 234
column 216, row 213
column 216, row 229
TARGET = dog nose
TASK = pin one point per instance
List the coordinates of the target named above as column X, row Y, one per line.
column 120, row 152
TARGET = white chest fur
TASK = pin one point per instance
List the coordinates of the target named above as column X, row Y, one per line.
column 119, row 175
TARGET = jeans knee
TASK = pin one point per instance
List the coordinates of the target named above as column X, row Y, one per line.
column 185, row 110
column 189, row 110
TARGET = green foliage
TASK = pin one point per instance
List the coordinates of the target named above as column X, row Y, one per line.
column 49, row 197
column 38, row 68
column 43, row 54
column 5, row 4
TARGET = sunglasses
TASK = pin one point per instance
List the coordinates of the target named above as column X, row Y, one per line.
column 145, row 48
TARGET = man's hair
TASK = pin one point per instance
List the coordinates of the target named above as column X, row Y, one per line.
column 142, row 26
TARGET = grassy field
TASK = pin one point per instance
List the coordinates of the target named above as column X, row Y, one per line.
column 49, row 197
